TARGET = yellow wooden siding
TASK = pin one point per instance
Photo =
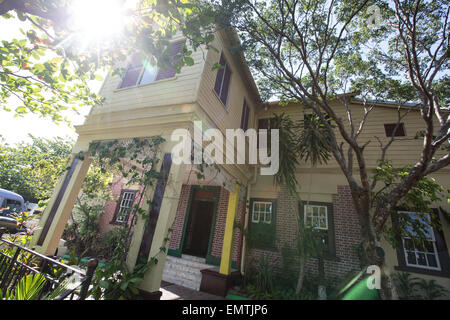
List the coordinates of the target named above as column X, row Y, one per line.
column 403, row 151
column 181, row 89
column 220, row 116
column 193, row 84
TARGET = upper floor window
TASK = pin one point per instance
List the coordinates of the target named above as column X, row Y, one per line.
column 399, row 131
column 141, row 71
column 223, row 80
column 125, row 205
column 245, row 115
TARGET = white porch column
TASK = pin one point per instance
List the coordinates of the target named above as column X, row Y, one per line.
column 148, row 239
column 57, row 212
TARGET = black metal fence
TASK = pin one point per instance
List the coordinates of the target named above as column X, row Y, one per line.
column 17, row 261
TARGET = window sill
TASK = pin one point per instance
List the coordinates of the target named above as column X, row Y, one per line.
column 444, row 273
column 116, row 223
column 144, row 85
column 271, row 248
column 218, row 98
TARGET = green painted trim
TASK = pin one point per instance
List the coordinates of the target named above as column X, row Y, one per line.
column 174, row 253
column 216, row 262
column 212, row 260
column 186, row 217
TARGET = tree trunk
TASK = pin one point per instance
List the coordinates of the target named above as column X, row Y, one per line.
column 371, row 253
column 301, row 275
column 374, row 255
column 321, row 290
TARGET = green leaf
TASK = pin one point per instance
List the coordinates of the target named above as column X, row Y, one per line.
column 124, row 286
column 189, row 61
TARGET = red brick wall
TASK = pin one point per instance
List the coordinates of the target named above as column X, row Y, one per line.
column 219, row 229
column 175, row 238
column 346, row 226
column 110, row 207
column 117, row 185
column 237, row 237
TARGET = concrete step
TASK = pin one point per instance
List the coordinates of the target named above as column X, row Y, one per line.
column 184, row 271
column 189, row 263
column 193, row 258
column 182, row 281
column 191, row 275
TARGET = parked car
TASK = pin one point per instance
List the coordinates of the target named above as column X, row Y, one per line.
column 11, row 200
column 10, row 203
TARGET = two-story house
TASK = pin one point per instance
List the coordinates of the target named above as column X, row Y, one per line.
column 205, row 247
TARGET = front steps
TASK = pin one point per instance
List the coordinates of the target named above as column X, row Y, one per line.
column 184, row 271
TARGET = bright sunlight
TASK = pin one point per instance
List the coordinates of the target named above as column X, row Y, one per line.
column 95, row 21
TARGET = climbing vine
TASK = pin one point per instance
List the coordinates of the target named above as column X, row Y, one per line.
column 136, row 160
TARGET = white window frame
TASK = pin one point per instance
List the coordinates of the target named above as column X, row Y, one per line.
column 416, row 252
column 141, row 76
column 263, row 212
column 141, row 73
column 318, row 217
column 125, row 205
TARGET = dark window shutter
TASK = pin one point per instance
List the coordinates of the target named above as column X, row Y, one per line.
column 331, row 231
column 170, row 70
column 268, row 124
column 244, row 117
column 131, row 76
column 219, row 77
column 226, row 85
column 389, row 129
column 441, row 245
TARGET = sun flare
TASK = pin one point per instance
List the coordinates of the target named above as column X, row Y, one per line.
column 100, row 20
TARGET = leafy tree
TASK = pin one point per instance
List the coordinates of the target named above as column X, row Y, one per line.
column 32, row 169
column 313, row 52
column 47, row 71
column 83, row 233
column 319, row 52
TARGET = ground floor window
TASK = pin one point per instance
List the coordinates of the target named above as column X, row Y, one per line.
column 420, row 254
column 262, row 212
column 319, row 215
column 262, row 227
column 125, row 205
column 427, row 254
column 316, row 217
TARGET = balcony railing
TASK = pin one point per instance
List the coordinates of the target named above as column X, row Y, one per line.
column 17, row 261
